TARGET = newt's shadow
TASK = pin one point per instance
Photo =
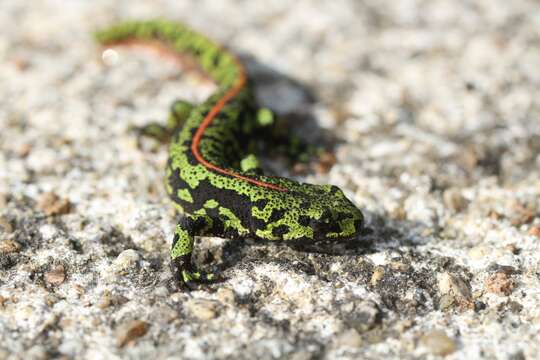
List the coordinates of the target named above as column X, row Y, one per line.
column 291, row 100
column 379, row 234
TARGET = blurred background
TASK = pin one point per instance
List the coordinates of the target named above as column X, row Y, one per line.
column 432, row 113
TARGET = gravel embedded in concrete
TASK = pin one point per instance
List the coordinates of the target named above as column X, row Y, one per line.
column 432, row 108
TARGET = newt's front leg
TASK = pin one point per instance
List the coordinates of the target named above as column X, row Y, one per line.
column 180, row 110
column 182, row 248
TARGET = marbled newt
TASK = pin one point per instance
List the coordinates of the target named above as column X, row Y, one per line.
column 213, row 178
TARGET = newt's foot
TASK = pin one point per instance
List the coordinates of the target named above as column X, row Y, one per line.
column 192, row 278
column 187, row 277
column 153, row 130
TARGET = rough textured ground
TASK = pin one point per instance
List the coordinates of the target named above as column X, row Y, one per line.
column 433, row 107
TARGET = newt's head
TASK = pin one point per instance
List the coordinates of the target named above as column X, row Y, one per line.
column 328, row 214
column 306, row 214
column 340, row 218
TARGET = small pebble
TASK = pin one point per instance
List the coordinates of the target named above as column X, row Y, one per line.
column 108, row 299
column 404, row 325
column 36, row 352
column 300, row 169
column 202, row 309
column 399, row 266
column 454, row 285
column 377, row 275
column 5, row 225
column 130, row 331
column 518, row 355
column 438, row 343
column 9, row 247
column 535, row 231
column 24, row 150
column 500, row 284
column 454, row 200
column 457, row 288
column 105, row 300
column 398, row 213
column 51, row 204
column 362, row 316
column 514, row 306
column 446, row 302
column 126, row 260
column 325, row 163
column 349, row 338
column 512, row 248
column 301, row 355
column 479, row 252
column 226, row 295
column 21, row 64
column 56, row 276
column 48, row 231
column 521, row 214
column 110, row 57
column 479, row 306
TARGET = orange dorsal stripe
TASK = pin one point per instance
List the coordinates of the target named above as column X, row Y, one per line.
column 214, row 111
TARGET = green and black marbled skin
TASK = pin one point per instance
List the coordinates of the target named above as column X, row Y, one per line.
column 219, row 187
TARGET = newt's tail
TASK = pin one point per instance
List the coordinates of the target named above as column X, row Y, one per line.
column 218, row 63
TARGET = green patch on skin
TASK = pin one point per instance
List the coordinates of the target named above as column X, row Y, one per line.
column 201, row 215
column 185, row 195
column 347, row 227
column 262, row 214
column 299, row 231
column 169, row 188
column 184, row 244
column 265, row 117
column 211, row 204
column 194, row 175
column 178, row 207
column 266, row 234
column 249, row 163
column 295, row 231
column 232, row 221
column 326, row 187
